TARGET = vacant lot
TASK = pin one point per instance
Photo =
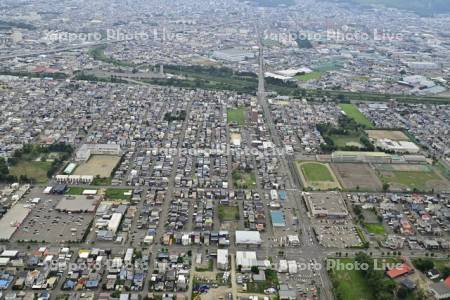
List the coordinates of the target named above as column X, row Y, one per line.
column 244, row 179
column 353, row 112
column 236, row 115
column 118, row 194
column 36, row 170
column 410, row 177
column 394, row 135
column 318, row 176
column 350, row 284
column 228, row 213
column 101, row 165
column 357, row 177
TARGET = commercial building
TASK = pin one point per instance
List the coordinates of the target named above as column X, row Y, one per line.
column 248, row 238
column 12, row 220
column 327, row 205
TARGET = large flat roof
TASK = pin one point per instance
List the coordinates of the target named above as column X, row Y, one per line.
column 12, row 220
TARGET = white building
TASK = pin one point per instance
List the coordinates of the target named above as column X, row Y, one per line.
column 246, row 259
column 222, row 259
column 248, row 238
column 86, row 150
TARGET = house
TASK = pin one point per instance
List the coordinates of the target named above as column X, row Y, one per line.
column 401, row 270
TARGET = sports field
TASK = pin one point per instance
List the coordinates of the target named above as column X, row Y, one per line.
column 353, row 112
column 236, row 115
column 101, row 165
column 317, row 176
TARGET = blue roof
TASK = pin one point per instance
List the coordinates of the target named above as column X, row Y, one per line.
column 4, row 283
column 277, row 218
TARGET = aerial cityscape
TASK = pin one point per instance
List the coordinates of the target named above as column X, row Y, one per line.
column 227, row 149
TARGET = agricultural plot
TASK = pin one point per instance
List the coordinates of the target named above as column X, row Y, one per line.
column 357, row 177
column 317, row 176
column 394, row 135
column 353, row 112
column 412, row 177
column 98, row 165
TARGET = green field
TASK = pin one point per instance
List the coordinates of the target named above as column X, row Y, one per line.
column 117, row 194
column 342, row 141
column 308, row 76
column 75, row 190
column 411, row 179
column 314, row 171
column 236, row 115
column 353, row 112
column 244, row 179
column 374, row 228
column 228, row 213
column 350, row 284
column 36, row 170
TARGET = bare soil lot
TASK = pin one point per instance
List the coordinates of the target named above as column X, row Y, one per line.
column 353, row 176
column 394, row 135
column 101, row 165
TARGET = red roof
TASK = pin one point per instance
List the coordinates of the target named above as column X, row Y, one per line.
column 447, row 281
column 399, row 271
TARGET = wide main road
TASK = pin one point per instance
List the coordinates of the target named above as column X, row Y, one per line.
column 311, row 250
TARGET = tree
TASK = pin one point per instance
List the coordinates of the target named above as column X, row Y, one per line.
column 386, row 187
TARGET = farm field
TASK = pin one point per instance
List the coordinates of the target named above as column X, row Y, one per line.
column 353, row 112
column 98, row 165
column 317, row 176
column 353, row 176
column 394, row 135
column 412, row 177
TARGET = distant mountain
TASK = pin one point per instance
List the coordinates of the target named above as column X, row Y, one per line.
column 272, row 3
column 420, row 7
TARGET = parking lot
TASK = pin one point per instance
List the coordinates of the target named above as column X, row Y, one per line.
column 46, row 224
